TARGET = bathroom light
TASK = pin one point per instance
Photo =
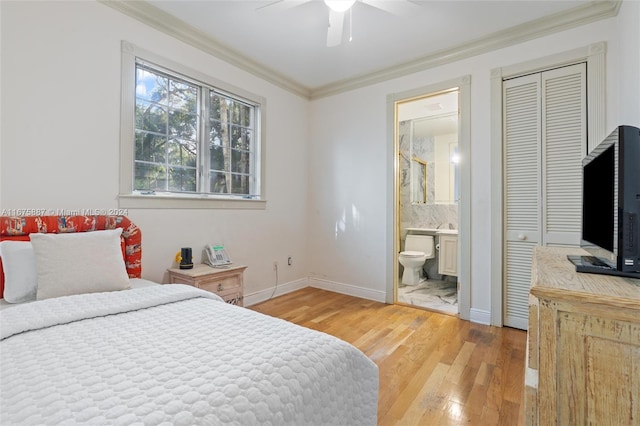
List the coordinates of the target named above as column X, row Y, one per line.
column 455, row 158
column 339, row 5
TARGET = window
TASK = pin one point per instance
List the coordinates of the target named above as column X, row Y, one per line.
column 187, row 140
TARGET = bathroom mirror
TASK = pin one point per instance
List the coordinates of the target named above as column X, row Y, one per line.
column 434, row 142
column 418, row 181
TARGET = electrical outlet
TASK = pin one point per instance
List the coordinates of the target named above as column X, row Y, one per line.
column 275, row 265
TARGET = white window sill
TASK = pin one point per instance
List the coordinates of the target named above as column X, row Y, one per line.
column 164, row 201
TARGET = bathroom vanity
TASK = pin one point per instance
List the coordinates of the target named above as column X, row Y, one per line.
column 447, row 245
column 448, row 257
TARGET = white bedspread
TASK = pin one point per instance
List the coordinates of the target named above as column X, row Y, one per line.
column 174, row 355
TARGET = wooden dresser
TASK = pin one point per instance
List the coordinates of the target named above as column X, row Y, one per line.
column 583, row 355
column 226, row 283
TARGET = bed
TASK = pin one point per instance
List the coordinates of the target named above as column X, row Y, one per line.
column 128, row 351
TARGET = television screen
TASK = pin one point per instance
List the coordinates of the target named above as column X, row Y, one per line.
column 611, row 206
column 598, row 215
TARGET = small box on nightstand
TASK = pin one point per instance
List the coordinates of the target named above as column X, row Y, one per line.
column 226, row 283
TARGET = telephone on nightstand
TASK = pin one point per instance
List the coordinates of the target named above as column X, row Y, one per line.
column 216, row 256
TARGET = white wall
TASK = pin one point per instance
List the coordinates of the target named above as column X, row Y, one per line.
column 60, row 138
column 60, row 83
column 349, row 159
column 347, row 166
column 626, row 77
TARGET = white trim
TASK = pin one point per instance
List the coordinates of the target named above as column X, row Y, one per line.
column 464, row 205
column 170, row 25
column 393, row 200
column 197, row 77
column 496, row 197
column 464, row 202
column 594, row 56
column 281, row 289
column 166, row 23
column 134, row 201
column 480, row 316
column 348, row 289
column 127, row 107
column 561, row 21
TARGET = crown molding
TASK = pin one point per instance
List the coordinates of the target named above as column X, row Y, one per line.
column 561, row 21
column 170, row 25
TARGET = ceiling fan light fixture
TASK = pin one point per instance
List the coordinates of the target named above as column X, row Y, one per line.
column 339, row 5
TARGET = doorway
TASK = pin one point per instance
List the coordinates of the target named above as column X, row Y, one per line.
column 429, row 160
column 429, row 193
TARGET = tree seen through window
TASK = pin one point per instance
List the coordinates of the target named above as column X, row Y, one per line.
column 170, row 142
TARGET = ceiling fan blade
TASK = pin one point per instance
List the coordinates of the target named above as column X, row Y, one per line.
column 336, row 24
column 280, row 4
column 396, row 7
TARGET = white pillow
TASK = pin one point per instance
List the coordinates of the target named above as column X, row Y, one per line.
column 18, row 263
column 82, row 262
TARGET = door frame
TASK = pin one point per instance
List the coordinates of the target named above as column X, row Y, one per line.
column 594, row 56
column 464, row 204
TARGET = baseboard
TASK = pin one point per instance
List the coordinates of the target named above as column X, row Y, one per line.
column 348, row 289
column 476, row 315
column 263, row 295
column 481, row 317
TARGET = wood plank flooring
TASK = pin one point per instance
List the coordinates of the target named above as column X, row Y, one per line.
column 434, row 369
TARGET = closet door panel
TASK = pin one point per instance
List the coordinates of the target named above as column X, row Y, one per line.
column 522, row 103
column 564, row 144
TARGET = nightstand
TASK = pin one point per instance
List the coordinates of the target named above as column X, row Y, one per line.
column 226, row 283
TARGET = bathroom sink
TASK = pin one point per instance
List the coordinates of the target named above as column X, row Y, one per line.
column 434, row 231
column 431, row 231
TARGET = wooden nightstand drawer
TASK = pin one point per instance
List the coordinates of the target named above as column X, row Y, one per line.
column 218, row 285
column 230, row 289
column 226, row 283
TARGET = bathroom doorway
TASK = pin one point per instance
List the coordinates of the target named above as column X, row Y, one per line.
column 430, row 197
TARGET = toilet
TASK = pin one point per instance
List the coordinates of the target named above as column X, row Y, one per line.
column 418, row 248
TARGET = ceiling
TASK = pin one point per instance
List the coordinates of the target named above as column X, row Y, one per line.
column 285, row 41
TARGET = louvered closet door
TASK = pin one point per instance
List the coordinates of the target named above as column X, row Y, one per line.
column 564, row 144
column 522, row 184
column 545, row 141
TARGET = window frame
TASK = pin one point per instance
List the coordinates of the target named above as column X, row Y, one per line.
column 127, row 197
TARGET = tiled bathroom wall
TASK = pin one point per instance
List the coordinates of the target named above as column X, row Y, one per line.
column 427, row 215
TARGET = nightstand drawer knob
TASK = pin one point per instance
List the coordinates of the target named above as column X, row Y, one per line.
column 220, row 287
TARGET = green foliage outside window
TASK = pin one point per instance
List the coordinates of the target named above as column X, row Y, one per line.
column 168, row 144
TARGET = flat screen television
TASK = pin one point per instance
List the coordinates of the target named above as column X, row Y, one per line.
column 611, row 206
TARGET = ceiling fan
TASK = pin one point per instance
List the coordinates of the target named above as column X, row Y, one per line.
column 338, row 9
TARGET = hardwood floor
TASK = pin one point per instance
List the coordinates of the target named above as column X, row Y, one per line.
column 434, row 369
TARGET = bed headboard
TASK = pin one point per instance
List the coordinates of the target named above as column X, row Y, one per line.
column 18, row 228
